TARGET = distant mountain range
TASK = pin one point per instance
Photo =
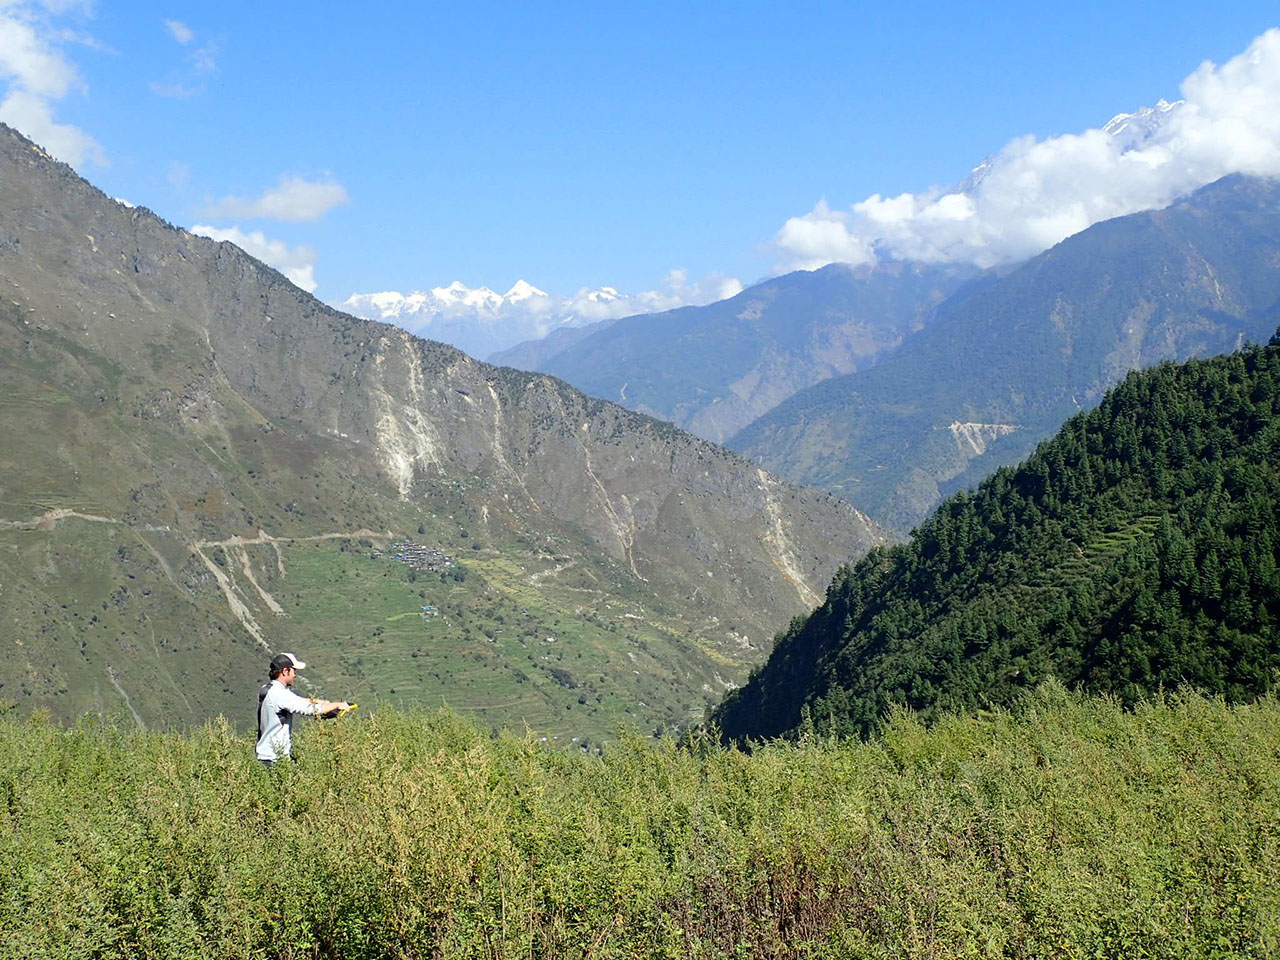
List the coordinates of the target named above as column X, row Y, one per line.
column 201, row 463
column 1138, row 549
column 525, row 327
column 714, row 369
column 481, row 322
column 531, row 354
column 895, row 384
column 1002, row 365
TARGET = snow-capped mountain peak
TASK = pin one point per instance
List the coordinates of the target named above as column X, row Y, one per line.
column 480, row 321
column 458, row 293
column 522, row 290
column 1133, row 129
column 1129, row 130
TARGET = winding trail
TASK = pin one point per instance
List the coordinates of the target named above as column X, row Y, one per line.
column 111, row 675
column 234, row 547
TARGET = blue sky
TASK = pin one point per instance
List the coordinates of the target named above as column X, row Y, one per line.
column 571, row 145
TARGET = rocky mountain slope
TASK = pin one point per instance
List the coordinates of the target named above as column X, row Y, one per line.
column 198, row 462
column 1001, row 367
column 713, row 369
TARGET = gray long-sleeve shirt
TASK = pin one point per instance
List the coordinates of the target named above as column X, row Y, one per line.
column 275, row 720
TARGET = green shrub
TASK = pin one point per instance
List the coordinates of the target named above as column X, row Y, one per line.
column 1064, row 827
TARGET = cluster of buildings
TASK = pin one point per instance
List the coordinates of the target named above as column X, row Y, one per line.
column 416, row 556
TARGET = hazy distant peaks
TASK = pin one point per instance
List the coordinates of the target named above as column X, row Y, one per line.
column 523, row 291
column 1126, row 130
column 456, row 297
column 481, row 321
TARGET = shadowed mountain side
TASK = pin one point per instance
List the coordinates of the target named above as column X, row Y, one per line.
column 169, row 383
column 713, row 369
column 999, row 369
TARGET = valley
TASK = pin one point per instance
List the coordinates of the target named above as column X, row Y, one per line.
column 198, row 461
column 827, row 548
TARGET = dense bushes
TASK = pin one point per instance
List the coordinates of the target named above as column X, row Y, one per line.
column 1066, row 827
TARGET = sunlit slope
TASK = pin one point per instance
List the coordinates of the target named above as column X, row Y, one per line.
column 1138, row 549
column 188, row 440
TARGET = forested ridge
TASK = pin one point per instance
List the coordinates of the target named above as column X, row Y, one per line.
column 1136, row 550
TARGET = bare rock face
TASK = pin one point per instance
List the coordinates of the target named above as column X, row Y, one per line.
column 203, row 396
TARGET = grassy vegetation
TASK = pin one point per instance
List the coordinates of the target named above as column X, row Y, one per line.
column 1065, row 827
column 513, row 639
column 107, row 617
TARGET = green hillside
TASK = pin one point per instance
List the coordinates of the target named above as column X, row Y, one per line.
column 147, row 564
column 201, row 465
column 1138, row 549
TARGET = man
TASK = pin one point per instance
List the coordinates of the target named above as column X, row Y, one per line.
column 277, row 705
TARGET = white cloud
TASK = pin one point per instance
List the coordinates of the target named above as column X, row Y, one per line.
column 677, row 291
column 295, row 199
column 33, row 116
column 205, row 60
column 31, row 60
column 188, row 82
column 56, row 7
column 728, row 287
column 296, row 263
column 180, row 31
column 1032, row 194
column 36, row 73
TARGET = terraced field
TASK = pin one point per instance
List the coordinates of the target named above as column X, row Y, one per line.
column 581, row 666
column 511, row 635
